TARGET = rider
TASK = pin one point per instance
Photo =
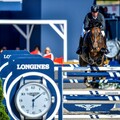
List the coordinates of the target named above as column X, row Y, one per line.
column 91, row 18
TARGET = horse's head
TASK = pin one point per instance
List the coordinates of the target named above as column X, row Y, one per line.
column 97, row 39
column 96, row 45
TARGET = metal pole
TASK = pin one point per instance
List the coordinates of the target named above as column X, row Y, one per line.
column 119, row 8
column 60, row 85
column 28, row 39
column 65, row 42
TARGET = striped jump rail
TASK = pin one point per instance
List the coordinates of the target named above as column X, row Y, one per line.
column 88, row 100
column 82, row 69
column 75, row 80
column 89, row 117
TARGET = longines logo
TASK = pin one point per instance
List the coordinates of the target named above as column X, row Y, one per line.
column 7, row 56
column 32, row 66
column 88, row 106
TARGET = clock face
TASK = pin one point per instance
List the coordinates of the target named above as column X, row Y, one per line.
column 33, row 100
column 113, row 48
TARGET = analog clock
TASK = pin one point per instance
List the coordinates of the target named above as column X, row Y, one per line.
column 33, row 100
column 113, row 48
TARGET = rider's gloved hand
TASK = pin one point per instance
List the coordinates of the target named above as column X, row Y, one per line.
column 104, row 50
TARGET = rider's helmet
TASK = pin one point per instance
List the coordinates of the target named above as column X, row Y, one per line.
column 94, row 8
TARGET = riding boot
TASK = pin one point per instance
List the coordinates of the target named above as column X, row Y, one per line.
column 104, row 50
column 107, row 51
column 79, row 49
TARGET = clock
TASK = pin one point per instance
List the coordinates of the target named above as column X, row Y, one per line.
column 113, row 48
column 33, row 100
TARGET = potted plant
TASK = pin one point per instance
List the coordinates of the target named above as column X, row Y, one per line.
column 3, row 114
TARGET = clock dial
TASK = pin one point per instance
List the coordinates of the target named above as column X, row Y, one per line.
column 33, row 100
column 113, row 48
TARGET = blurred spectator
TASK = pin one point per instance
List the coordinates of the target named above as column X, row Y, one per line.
column 4, row 48
column 36, row 50
column 17, row 48
column 108, row 27
column 104, row 11
column 1, row 50
column 48, row 54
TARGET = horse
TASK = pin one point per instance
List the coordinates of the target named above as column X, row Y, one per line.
column 93, row 50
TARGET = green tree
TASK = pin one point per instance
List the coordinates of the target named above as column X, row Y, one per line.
column 3, row 114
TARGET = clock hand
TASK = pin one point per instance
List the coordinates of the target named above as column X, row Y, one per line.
column 37, row 97
column 32, row 103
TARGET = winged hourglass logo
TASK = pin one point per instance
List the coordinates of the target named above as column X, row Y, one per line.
column 88, row 106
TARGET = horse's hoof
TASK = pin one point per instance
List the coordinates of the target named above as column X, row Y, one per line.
column 95, row 85
column 87, row 85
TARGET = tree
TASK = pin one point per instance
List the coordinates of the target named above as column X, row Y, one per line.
column 3, row 114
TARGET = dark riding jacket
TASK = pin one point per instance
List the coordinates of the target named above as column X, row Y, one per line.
column 89, row 20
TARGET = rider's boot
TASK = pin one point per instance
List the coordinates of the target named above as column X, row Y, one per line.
column 107, row 51
column 79, row 49
column 104, row 50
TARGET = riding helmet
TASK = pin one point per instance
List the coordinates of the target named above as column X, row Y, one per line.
column 94, row 8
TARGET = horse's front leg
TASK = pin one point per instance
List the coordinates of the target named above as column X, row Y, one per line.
column 86, row 81
column 86, row 55
column 94, row 84
column 90, row 60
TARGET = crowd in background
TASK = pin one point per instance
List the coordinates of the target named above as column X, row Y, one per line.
column 47, row 52
column 108, row 17
column 36, row 51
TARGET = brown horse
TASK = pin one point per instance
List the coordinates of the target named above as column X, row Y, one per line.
column 93, row 48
